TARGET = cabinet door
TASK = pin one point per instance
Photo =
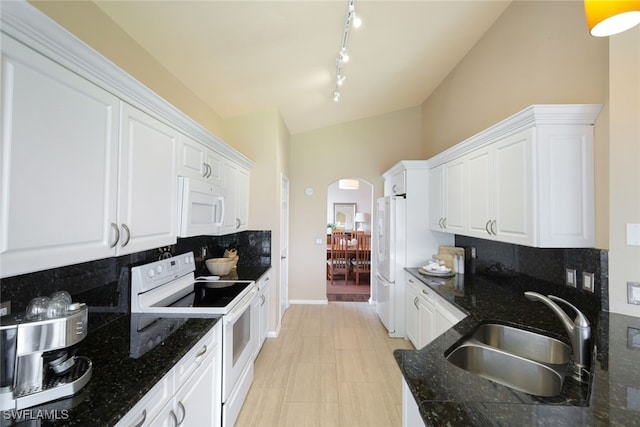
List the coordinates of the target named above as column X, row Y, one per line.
column 436, row 208
column 148, row 182
column 236, row 185
column 194, row 401
column 59, row 160
column 412, row 314
column 454, row 181
column 426, row 322
column 479, row 202
column 192, row 157
column 513, row 193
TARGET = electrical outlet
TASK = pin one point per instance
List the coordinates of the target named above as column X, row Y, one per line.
column 571, row 277
column 5, row 308
column 633, row 293
column 588, row 282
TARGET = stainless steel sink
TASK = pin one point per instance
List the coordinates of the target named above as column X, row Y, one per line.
column 523, row 360
column 523, row 343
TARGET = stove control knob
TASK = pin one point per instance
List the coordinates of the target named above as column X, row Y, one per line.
column 187, row 259
column 159, row 269
column 151, row 273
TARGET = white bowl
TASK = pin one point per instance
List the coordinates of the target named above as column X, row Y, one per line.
column 219, row 266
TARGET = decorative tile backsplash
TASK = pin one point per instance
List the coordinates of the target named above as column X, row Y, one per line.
column 104, row 284
column 503, row 259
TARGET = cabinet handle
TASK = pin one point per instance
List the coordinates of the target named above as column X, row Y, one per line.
column 493, row 227
column 204, row 172
column 238, row 222
column 444, row 223
column 486, row 227
column 394, row 188
column 117, row 230
column 125, row 228
column 264, row 299
column 144, row 418
column 175, row 419
column 184, row 412
column 440, row 223
column 415, row 302
column 201, row 352
column 208, row 170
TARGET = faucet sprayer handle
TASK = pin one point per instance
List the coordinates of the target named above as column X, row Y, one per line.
column 580, row 320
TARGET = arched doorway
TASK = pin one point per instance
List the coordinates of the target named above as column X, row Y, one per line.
column 349, row 207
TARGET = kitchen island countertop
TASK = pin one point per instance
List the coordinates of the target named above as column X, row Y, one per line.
column 448, row 395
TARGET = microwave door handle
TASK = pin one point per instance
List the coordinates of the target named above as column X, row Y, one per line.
column 220, row 223
column 240, row 308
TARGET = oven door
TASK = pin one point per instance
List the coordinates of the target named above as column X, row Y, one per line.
column 201, row 209
column 240, row 337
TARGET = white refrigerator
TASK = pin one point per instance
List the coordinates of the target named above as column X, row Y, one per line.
column 390, row 262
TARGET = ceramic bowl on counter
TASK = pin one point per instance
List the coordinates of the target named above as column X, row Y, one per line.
column 220, row 266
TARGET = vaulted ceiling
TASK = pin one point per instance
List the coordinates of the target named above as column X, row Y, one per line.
column 244, row 56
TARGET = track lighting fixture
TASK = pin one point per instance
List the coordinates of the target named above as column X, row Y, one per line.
column 343, row 53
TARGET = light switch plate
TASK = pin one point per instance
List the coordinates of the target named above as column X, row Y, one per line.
column 633, row 293
column 633, row 234
column 571, row 277
column 587, row 282
column 5, row 308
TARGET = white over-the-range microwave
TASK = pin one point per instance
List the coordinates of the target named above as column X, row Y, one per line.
column 201, row 208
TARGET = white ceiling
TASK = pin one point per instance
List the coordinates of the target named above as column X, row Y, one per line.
column 243, row 56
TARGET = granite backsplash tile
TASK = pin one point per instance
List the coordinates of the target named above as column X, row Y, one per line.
column 494, row 259
column 104, row 284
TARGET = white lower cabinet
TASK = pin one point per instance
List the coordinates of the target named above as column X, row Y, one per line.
column 264, row 299
column 428, row 314
column 189, row 394
column 410, row 413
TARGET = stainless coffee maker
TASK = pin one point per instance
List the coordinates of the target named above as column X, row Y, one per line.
column 37, row 365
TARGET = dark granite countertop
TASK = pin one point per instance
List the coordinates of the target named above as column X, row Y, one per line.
column 118, row 380
column 448, row 395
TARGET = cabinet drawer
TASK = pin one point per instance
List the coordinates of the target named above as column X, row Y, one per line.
column 151, row 404
column 196, row 356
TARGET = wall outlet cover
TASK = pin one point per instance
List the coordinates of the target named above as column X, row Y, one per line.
column 588, row 282
column 633, row 293
column 571, row 277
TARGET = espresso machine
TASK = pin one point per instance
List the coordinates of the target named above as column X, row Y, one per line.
column 38, row 364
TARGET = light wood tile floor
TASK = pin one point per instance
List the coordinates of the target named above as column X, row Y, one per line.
column 332, row 365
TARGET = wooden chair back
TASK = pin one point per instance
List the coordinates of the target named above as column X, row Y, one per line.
column 362, row 261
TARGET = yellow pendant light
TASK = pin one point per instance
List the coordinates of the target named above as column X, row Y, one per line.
column 608, row 17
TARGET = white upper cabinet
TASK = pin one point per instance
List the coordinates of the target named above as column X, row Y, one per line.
column 499, row 190
column 446, row 197
column 529, row 179
column 236, row 186
column 59, row 164
column 197, row 161
column 148, row 201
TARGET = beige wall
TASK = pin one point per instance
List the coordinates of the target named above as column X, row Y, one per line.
column 624, row 98
column 536, row 53
column 264, row 138
column 87, row 22
column 361, row 149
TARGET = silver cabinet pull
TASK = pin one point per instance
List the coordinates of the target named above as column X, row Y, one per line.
column 201, row 352
column 493, row 227
column 175, row 419
column 184, row 412
column 440, row 223
column 238, row 222
column 486, row 227
column 125, row 228
column 204, row 171
column 144, row 418
column 415, row 302
column 208, row 173
column 394, row 188
column 444, row 223
column 117, row 230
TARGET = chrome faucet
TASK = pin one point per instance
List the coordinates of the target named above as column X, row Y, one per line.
column 579, row 331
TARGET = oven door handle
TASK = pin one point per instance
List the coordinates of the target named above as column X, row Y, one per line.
column 237, row 311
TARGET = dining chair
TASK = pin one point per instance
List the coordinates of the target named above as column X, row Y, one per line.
column 338, row 262
column 362, row 262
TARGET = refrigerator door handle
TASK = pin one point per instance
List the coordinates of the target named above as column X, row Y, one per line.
column 384, row 281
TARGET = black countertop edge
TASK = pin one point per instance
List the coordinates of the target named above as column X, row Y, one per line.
column 448, row 395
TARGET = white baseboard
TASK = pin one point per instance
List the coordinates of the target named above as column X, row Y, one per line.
column 309, row 301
